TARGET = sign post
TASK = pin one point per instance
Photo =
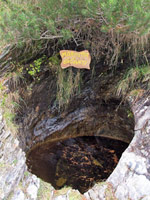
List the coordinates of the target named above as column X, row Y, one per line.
column 76, row 59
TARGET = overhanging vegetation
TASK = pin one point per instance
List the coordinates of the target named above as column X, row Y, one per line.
column 35, row 24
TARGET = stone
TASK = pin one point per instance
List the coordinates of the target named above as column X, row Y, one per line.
column 32, row 189
column 12, row 168
column 131, row 178
column 136, row 187
column 146, row 198
column 61, row 197
column 18, row 195
column 97, row 192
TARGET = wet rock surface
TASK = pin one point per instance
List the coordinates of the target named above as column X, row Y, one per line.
column 95, row 111
column 106, row 120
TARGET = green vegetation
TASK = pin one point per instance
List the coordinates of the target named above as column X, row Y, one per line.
column 45, row 191
column 9, row 104
column 35, row 68
column 15, row 161
column 68, row 82
column 111, row 30
column 33, row 24
column 132, row 78
column 37, row 20
column 2, row 165
column 130, row 114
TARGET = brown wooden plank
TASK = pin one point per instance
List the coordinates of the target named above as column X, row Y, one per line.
column 76, row 59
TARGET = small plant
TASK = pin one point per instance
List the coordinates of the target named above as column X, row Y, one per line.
column 9, row 118
column 26, row 173
column 15, row 79
column 35, row 68
column 54, row 60
column 15, row 161
column 1, row 87
column 136, row 94
column 129, row 114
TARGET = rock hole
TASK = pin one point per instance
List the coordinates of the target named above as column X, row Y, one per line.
column 77, row 162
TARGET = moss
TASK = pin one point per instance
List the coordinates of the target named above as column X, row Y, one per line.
column 101, row 183
column 26, row 173
column 109, row 194
column 63, row 191
column 9, row 104
column 54, row 61
column 2, row 165
column 45, row 191
column 61, row 181
column 75, row 195
column 136, row 94
column 15, row 161
column 95, row 162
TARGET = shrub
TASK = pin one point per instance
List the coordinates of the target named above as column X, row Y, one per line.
column 26, row 22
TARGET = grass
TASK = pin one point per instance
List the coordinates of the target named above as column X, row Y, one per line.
column 68, row 84
column 133, row 78
column 136, row 94
column 9, row 103
column 68, row 81
column 132, row 44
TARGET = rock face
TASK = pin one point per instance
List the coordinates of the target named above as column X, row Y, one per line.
column 131, row 178
column 15, row 182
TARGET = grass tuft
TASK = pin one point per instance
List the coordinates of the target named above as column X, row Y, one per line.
column 68, row 85
column 132, row 78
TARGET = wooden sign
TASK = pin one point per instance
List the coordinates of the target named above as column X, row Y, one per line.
column 79, row 60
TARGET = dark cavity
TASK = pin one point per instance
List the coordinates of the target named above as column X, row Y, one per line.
column 77, row 162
